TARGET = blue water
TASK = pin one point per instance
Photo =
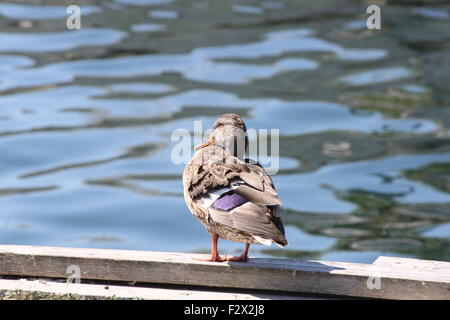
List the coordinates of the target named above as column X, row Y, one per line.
column 86, row 118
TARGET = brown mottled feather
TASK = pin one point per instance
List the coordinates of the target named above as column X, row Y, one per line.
column 212, row 168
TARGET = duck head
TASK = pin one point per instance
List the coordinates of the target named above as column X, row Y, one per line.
column 229, row 132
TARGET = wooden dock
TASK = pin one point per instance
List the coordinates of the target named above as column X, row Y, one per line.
column 169, row 275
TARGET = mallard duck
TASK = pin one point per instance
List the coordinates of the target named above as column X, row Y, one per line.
column 232, row 197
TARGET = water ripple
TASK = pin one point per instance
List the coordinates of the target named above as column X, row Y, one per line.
column 86, row 143
column 38, row 12
column 318, row 189
column 199, row 65
column 58, row 41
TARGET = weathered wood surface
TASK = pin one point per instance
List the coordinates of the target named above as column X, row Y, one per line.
column 414, row 264
column 285, row 275
column 130, row 292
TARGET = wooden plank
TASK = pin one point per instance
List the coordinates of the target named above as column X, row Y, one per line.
column 128, row 292
column 286, row 275
column 439, row 267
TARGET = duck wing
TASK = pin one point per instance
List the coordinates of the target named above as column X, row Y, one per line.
column 234, row 193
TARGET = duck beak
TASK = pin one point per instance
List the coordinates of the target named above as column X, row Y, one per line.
column 207, row 143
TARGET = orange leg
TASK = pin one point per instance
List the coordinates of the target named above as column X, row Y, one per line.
column 243, row 257
column 215, row 253
column 214, row 250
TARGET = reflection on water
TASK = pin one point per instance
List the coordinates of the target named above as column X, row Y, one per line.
column 374, row 76
column 147, row 27
column 432, row 13
column 22, row 11
column 247, row 9
column 163, row 14
column 86, row 118
column 57, row 41
column 379, row 176
column 143, row 3
column 199, row 65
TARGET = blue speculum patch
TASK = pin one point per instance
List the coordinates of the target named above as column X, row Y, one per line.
column 229, row 201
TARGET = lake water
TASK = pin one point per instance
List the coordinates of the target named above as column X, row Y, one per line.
column 86, row 118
